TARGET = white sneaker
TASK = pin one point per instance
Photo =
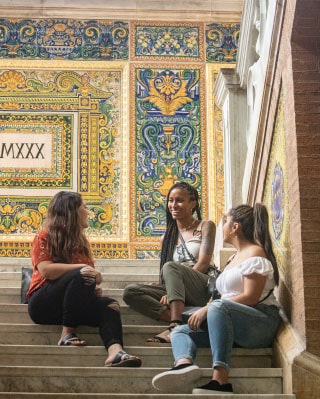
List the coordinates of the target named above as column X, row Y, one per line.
column 176, row 378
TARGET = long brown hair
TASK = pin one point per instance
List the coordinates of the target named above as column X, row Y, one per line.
column 171, row 235
column 254, row 222
column 65, row 233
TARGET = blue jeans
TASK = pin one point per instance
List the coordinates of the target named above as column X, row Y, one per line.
column 229, row 323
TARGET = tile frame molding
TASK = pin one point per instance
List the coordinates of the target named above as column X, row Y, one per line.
column 186, row 10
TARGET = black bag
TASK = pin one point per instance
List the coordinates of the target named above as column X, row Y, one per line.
column 187, row 313
column 213, row 274
column 26, row 274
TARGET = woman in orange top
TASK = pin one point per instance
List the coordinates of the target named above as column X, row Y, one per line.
column 65, row 287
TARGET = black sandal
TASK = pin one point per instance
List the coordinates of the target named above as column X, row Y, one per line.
column 157, row 340
column 123, row 359
column 70, row 340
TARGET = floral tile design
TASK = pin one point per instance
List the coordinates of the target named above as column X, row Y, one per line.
column 222, row 42
column 85, row 146
column 161, row 41
column 64, row 39
column 168, row 121
column 65, row 71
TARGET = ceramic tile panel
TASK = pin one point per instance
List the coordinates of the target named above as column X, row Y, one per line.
column 64, row 39
column 119, row 132
column 168, row 145
column 40, row 144
column 55, row 135
column 171, row 41
column 222, row 42
column 276, row 194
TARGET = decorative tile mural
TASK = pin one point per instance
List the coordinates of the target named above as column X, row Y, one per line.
column 64, row 124
column 168, row 121
column 64, row 38
column 222, row 42
column 81, row 125
column 35, row 150
column 276, row 195
column 155, row 40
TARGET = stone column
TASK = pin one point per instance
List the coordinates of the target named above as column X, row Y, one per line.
column 257, row 28
column 232, row 100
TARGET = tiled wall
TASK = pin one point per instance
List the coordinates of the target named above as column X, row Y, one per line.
column 276, row 195
column 115, row 110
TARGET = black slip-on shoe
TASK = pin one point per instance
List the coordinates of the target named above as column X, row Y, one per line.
column 213, row 386
column 176, row 378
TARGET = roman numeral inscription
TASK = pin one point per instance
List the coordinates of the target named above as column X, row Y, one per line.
column 26, row 151
column 21, row 150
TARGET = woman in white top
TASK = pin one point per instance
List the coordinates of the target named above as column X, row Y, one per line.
column 247, row 314
column 183, row 278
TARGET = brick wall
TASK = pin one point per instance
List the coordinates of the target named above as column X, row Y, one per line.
column 296, row 71
column 305, row 44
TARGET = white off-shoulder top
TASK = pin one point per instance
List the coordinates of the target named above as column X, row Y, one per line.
column 230, row 282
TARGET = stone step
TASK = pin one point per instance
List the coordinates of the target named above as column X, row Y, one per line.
column 18, row 313
column 110, row 280
column 36, row 334
column 38, row 365
column 94, row 356
column 123, row 380
column 29, row 395
column 30, row 334
column 105, row 265
column 11, row 295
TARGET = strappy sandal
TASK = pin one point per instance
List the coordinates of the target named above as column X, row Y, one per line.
column 72, row 340
column 160, row 340
column 123, row 359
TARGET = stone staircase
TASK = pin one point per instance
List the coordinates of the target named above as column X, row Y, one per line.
column 33, row 366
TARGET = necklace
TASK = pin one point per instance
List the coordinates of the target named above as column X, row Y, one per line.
column 189, row 226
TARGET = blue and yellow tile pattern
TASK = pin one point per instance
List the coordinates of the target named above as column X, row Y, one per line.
column 101, row 90
column 276, row 195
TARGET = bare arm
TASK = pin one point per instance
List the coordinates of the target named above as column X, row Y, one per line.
column 208, row 232
column 253, row 287
column 52, row 271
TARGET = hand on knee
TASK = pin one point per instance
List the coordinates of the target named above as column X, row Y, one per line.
column 115, row 306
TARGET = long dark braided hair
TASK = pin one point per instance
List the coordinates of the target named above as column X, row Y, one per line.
column 254, row 223
column 171, row 235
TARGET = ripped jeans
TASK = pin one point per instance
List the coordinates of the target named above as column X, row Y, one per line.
column 229, row 323
column 68, row 301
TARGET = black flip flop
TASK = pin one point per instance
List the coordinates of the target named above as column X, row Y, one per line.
column 70, row 339
column 123, row 359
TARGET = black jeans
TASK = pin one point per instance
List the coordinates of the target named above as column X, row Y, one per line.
column 69, row 302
